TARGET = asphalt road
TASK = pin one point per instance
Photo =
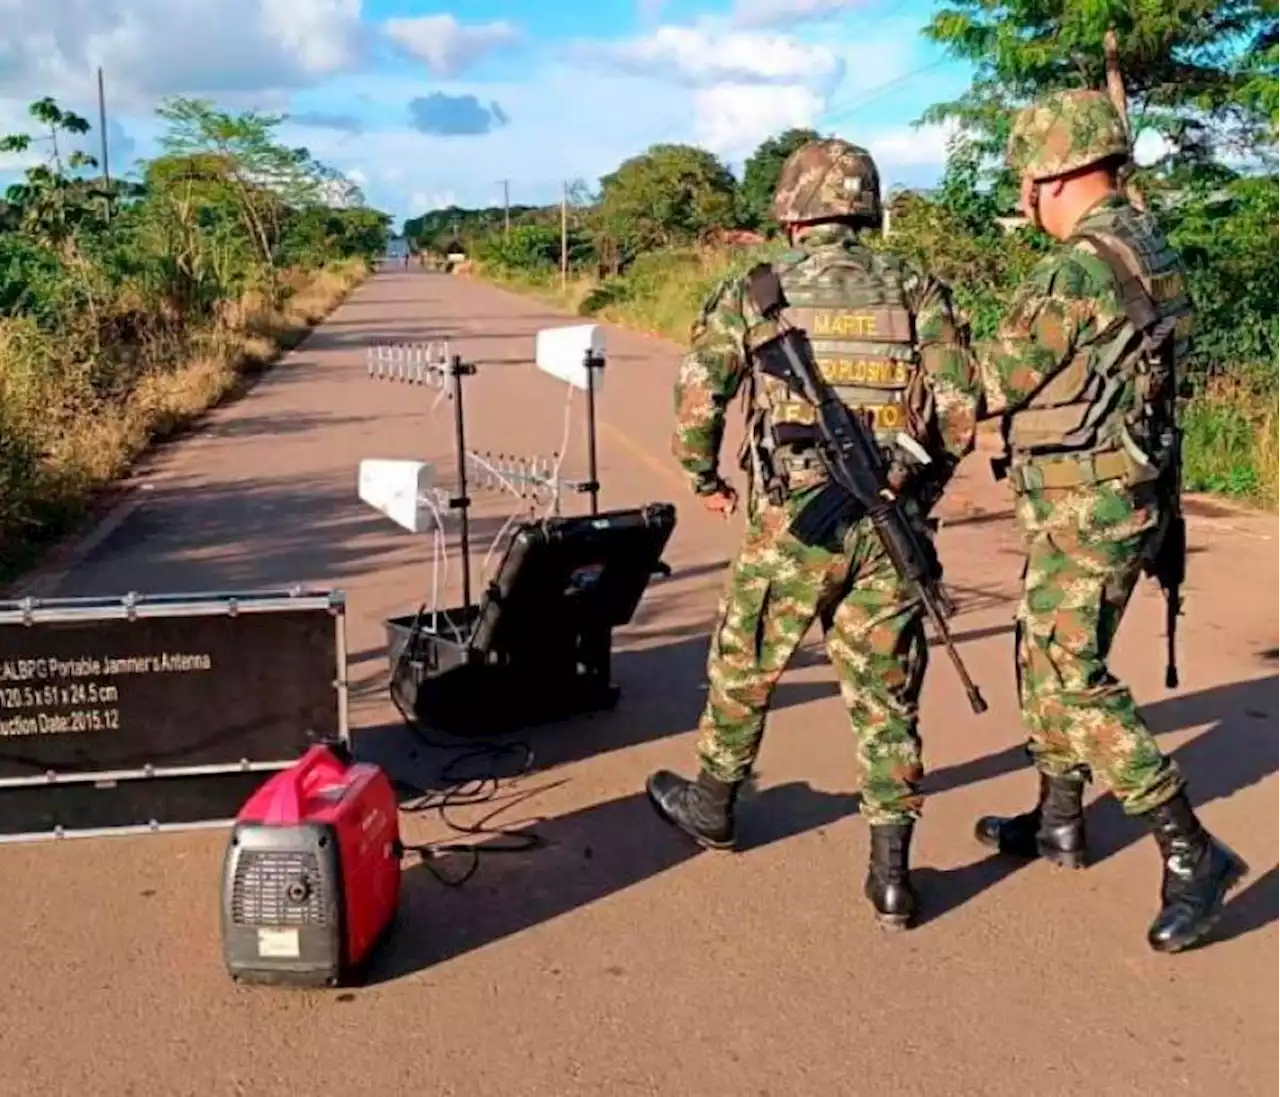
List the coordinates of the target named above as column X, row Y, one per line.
column 614, row 960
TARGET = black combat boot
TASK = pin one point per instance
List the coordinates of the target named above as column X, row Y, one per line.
column 888, row 876
column 703, row 809
column 1198, row 872
column 1053, row 829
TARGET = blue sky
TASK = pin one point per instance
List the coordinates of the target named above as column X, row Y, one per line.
column 428, row 104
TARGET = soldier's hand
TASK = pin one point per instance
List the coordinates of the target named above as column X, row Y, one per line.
column 897, row 477
column 723, row 501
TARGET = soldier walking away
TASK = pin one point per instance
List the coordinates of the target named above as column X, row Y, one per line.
column 888, row 341
column 1085, row 373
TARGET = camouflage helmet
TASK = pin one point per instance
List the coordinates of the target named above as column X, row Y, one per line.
column 826, row 179
column 1064, row 132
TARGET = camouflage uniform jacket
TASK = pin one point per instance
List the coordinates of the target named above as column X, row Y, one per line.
column 718, row 362
column 1081, row 403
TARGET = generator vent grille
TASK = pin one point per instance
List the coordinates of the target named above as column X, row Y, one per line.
column 278, row 888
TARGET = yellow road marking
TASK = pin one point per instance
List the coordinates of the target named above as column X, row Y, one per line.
column 640, row 453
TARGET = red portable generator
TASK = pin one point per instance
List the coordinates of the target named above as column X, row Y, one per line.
column 311, row 879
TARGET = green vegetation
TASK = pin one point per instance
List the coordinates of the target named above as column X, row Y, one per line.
column 126, row 308
column 666, row 226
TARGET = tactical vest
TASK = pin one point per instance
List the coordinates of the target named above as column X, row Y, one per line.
column 853, row 308
column 1110, row 414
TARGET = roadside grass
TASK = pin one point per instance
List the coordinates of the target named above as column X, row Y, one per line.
column 72, row 423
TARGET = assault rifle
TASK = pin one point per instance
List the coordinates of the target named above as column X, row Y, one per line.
column 859, row 483
column 1167, row 562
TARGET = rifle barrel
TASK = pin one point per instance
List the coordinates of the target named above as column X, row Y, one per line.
column 976, row 702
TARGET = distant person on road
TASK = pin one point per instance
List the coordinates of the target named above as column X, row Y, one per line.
column 890, row 343
column 1085, row 372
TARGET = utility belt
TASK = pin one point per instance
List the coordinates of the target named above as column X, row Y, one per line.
column 1072, row 470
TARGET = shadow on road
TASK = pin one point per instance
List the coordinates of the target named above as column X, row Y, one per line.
column 607, row 847
column 1238, row 750
column 1254, row 908
column 588, row 854
column 260, row 534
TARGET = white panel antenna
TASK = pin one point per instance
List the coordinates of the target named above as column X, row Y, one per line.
column 562, row 353
column 404, row 491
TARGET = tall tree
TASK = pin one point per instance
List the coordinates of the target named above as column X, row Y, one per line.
column 1201, row 72
column 52, row 202
column 670, row 195
column 241, row 152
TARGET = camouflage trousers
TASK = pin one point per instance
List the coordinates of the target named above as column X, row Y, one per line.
column 874, row 635
column 1084, row 557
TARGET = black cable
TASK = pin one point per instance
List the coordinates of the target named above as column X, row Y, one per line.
column 460, row 790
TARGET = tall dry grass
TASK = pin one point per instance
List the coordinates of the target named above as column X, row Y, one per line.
column 65, row 435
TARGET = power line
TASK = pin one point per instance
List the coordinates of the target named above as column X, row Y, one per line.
column 879, row 91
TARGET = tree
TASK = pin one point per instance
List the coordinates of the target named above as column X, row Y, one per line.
column 670, row 195
column 240, row 152
column 1201, row 72
column 51, row 204
column 760, row 175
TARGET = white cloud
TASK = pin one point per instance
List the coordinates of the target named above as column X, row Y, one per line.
column 445, row 45
column 704, row 55
column 732, row 119
column 744, row 85
column 149, row 48
column 770, row 13
column 318, row 33
column 910, row 146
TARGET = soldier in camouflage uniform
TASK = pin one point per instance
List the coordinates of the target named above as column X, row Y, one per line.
column 888, row 341
column 1084, row 370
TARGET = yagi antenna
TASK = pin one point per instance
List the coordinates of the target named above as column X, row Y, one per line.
column 429, row 364
column 425, row 364
column 527, row 478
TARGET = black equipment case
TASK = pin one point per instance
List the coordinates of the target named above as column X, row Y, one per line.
column 538, row 646
column 160, row 712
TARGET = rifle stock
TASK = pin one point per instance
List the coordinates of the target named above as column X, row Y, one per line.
column 859, row 483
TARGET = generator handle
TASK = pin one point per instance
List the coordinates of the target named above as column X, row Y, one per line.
column 286, row 805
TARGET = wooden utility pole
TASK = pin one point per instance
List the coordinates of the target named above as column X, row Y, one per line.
column 564, row 236
column 506, row 208
column 1119, row 100
column 102, row 135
